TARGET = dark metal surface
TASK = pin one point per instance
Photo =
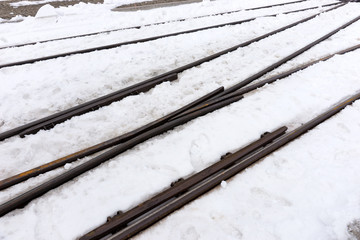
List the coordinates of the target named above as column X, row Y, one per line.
column 94, row 102
column 147, row 25
column 179, row 187
column 26, row 197
column 200, row 189
column 101, row 146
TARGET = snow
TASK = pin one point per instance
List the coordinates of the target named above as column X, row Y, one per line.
column 46, row 11
column 306, row 190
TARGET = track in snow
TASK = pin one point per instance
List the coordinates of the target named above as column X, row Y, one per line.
column 300, row 67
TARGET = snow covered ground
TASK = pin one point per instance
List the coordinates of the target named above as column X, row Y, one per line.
column 26, row 3
column 306, row 190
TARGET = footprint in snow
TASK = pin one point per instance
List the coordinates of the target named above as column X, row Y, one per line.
column 190, row 234
column 198, row 149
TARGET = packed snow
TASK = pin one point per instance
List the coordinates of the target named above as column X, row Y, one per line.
column 306, row 190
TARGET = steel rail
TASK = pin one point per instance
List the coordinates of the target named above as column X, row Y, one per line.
column 285, row 59
column 93, row 103
column 35, row 192
column 143, row 222
column 183, row 185
column 8, row 182
column 114, row 45
column 152, row 24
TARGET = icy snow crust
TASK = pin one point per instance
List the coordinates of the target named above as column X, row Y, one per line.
column 306, row 190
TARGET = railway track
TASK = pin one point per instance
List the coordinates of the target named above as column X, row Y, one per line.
column 129, row 223
column 52, row 120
